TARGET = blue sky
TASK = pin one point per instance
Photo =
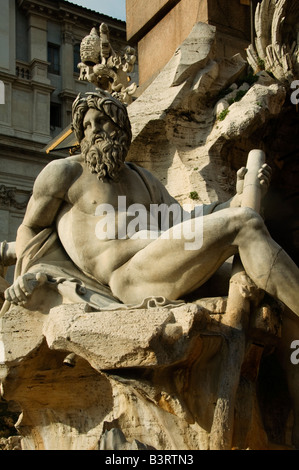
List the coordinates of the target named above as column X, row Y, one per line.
column 114, row 8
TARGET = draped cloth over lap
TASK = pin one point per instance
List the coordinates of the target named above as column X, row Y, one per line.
column 45, row 254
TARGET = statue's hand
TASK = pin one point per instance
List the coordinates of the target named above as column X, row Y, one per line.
column 240, row 180
column 23, row 287
column 264, row 176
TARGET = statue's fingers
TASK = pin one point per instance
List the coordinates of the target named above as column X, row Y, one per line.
column 265, row 173
column 26, row 286
column 7, row 295
column 19, row 293
column 10, row 295
column 267, row 167
column 264, row 177
column 241, row 172
column 266, row 170
column 240, row 179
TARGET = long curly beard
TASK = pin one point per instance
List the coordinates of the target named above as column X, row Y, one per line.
column 104, row 156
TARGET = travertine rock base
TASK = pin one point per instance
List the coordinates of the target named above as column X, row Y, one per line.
column 126, row 379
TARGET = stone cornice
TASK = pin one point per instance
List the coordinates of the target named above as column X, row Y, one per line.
column 68, row 94
column 66, row 11
column 29, row 150
column 26, row 83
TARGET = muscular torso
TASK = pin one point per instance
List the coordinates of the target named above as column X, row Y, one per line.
column 78, row 217
column 67, row 195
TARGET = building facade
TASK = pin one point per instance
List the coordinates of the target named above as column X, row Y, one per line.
column 39, row 54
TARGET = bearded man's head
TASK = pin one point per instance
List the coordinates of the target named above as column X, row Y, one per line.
column 104, row 154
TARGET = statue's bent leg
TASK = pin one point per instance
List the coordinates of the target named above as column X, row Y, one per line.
column 267, row 264
column 166, row 268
